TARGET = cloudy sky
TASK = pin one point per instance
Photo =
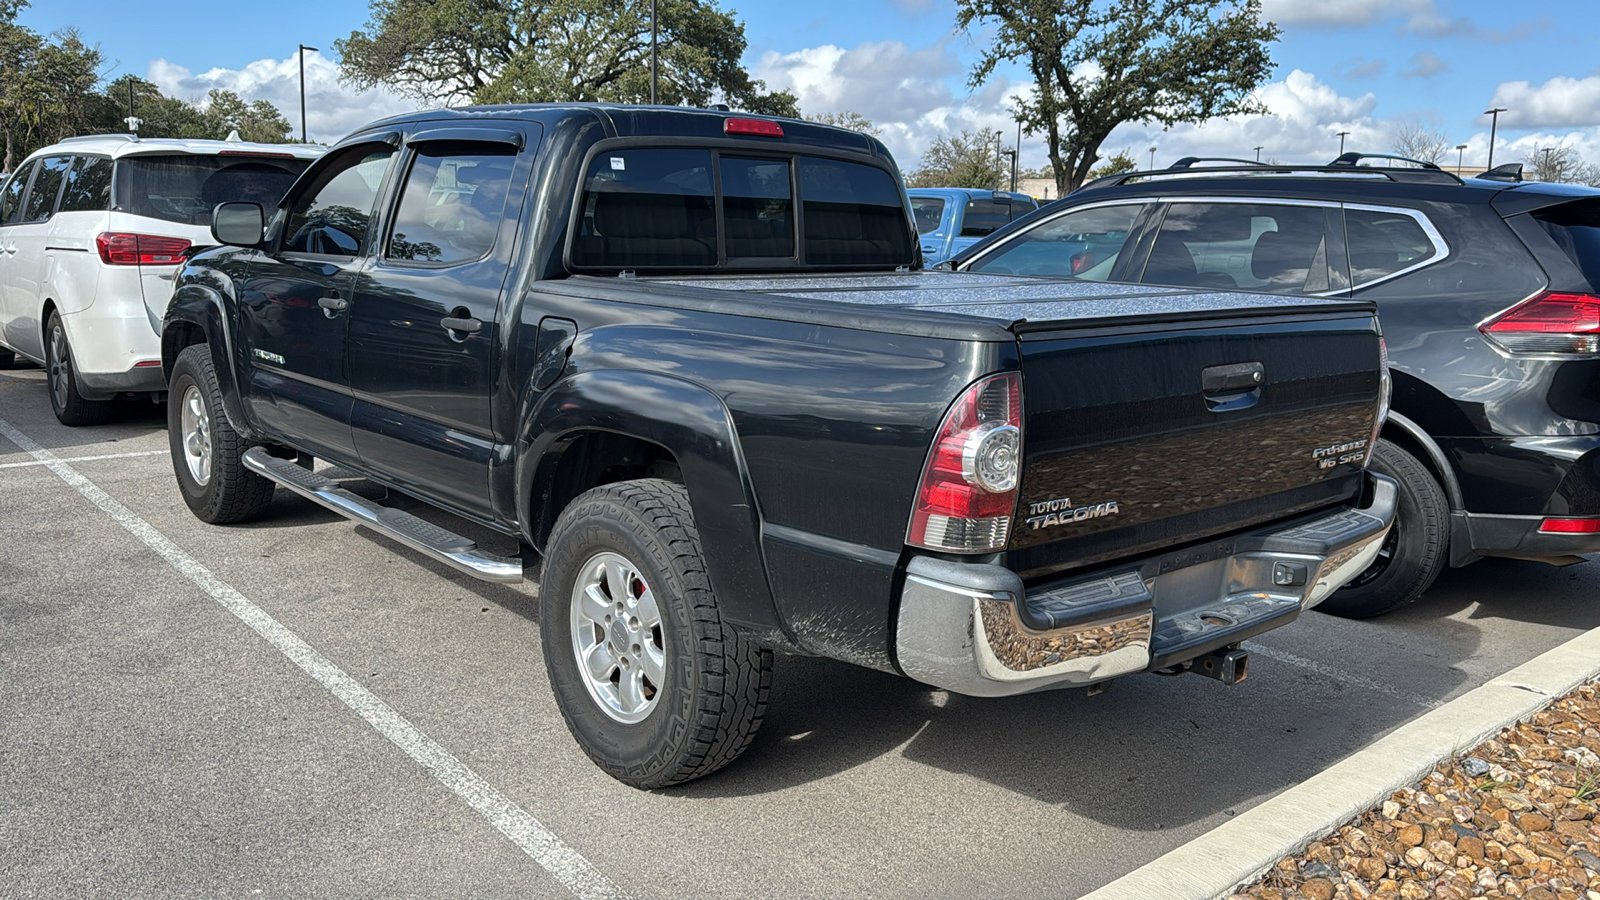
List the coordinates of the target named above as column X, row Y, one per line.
column 1361, row 66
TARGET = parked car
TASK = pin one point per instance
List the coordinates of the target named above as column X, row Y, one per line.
column 1489, row 294
column 92, row 230
column 688, row 357
column 951, row 219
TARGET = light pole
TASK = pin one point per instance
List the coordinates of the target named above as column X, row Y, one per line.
column 1342, row 136
column 1152, row 159
column 1546, row 173
column 303, row 49
column 1258, row 154
column 654, row 62
column 1016, row 150
column 1494, row 123
column 1461, row 151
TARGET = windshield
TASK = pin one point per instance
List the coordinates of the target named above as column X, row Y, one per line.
column 186, row 188
column 928, row 210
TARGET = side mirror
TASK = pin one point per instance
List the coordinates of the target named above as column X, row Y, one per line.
column 238, row 224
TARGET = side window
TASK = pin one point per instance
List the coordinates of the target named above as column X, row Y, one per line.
column 88, row 186
column 331, row 216
column 11, row 200
column 984, row 217
column 46, row 188
column 1266, row 247
column 1084, row 245
column 647, row 208
column 1383, row 242
column 928, row 212
column 757, row 207
column 453, row 203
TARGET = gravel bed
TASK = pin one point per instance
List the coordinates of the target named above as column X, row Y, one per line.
column 1513, row 817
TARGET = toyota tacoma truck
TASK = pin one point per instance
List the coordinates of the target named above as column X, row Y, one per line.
column 689, row 359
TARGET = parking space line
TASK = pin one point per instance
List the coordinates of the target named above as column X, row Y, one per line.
column 73, row 459
column 1328, row 671
column 563, row 863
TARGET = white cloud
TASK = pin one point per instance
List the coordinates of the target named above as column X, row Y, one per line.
column 332, row 110
column 1425, row 65
column 1558, row 103
column 1348, row 13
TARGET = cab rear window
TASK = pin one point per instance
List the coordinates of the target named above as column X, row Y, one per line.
column 184, row 188
column 659, row 208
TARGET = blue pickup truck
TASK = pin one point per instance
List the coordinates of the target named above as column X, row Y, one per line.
column 952, row 219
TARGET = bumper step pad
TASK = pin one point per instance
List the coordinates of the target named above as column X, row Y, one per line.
column 446, row 546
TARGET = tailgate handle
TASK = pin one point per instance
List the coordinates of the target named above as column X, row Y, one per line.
column 1233, row 386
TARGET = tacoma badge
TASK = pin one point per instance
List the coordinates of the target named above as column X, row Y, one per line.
column 1060, row 511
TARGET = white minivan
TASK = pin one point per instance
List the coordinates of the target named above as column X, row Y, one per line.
column 92, row 230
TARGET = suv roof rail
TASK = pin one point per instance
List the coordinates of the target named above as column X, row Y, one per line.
column 1506, row 172
column 131, row 138
column 1427, row 175
column 1188, row 162
column 1354, row 158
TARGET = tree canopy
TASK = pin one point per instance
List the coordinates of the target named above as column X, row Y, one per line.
column 966, row 160
column 530, row 51
column 1097, row 64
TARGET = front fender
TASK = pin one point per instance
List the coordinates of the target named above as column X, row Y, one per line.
column 691, row 423
column 202, row 307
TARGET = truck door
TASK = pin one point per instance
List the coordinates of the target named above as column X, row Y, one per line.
column 294, row 303
column 425, row 320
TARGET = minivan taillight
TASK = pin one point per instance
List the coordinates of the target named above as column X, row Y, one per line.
column 125, row 249
column 1549, row 323
column 969, row 485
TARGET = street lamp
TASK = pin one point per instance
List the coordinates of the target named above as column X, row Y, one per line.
column 1015, row 151
column 1342, row 136
column 1494, row 123
column 654, row 60
column 303, row 49
column 1258, row 154
column 1461, row 150
column 1152, row 158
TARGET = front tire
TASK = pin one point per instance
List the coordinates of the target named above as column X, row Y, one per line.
column 654, row 685
column 206, row 451
column 70, row 406
column 1415, row 551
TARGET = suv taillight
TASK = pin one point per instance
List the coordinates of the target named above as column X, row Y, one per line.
column 1548, row 323
column 969, row 485
column 124, row 249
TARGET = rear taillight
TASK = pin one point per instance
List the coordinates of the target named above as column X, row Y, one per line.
column 124, row 249
column 1385, row 393
column 1548, row 323
column 1570, row 526
column 969, row 486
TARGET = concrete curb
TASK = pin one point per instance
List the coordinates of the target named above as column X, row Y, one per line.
column 1241, row 850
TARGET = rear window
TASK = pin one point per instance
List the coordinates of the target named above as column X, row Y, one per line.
column 927, row 211
column 1383, row 242
column 1575, row 227
column 984, row 217
column 650, row 208
column 184, row 189
column 88, row 185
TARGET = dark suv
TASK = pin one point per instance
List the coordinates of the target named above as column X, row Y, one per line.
column 1488, row 290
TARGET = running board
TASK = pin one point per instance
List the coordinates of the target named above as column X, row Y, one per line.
column 446, row 546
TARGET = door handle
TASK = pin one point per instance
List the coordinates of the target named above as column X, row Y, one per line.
column 332, row 306
column 462, row 324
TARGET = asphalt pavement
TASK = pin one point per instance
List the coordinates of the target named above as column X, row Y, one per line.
column 296, row 707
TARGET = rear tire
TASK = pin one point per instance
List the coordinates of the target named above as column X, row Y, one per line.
column 1416, row 549
column 206, row 451
column 62, row 380
column 654, row 685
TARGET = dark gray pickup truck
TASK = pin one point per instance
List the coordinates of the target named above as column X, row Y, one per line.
column 689, row 359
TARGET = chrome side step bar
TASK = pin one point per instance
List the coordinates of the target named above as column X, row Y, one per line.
column 419, row 534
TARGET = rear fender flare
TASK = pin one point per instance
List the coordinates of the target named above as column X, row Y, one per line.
column 693, row 425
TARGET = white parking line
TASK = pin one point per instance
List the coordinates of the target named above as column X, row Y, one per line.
column 1328, row 671
column 73, row 459
column 565, row 864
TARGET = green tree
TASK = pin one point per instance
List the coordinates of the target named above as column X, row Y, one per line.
column 968, row 160
column 225, row 112
column 159, row 115
column 849, row 119
column 527, row 51
column 1115, row 165
column 1097, row 64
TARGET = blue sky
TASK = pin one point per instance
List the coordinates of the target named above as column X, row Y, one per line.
column 1343, row 65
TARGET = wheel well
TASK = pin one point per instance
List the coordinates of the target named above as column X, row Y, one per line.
column 587, row 461
column 1405, row 440
column 177, row 337
column 45, row 312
